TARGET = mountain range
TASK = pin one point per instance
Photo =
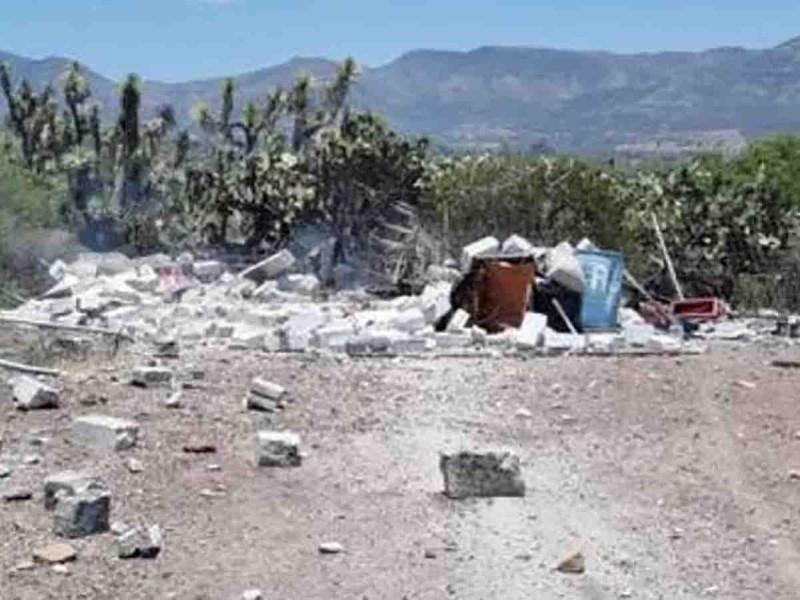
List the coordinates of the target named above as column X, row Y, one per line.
column 521, row 97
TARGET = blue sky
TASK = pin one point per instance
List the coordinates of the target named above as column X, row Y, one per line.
column 183, row 39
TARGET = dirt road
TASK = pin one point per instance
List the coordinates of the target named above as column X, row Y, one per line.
column 670, row 475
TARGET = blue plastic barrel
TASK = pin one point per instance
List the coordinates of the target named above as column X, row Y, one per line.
column 602, row 287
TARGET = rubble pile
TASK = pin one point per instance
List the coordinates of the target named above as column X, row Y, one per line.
column 508, row 297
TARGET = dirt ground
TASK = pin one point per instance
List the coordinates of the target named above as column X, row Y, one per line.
column 671, row 475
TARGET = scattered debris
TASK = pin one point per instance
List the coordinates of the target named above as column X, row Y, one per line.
column 102, row 432
column 84, row 513
column 140, row 543
column 134, row 465
column 278, row 449
column 31, row 394
column 331, row 548
column 574, row 564
column 17, row 494
column 55, row 554
column 147, row 376
column 481, row 474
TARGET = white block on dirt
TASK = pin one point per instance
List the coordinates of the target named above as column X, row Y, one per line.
column 69, row 483
column 208, row 270
column 484, row 247
column 481, row 474
column 516, row 245
column 31, row 394
column 435, row 301
column 278, row 449
column 564, row 268
column 531, row 333
column 458, row 321
column 101, row 432
column 638, row 334
column 57, row 270
column 334, row 335
column 270, row 268
column 562, row 342
column 409, row 320
column 147, row 376
column 267, row 389
column 296, row 283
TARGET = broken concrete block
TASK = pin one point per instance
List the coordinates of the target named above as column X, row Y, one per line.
column 146, row 376
column 639, row 335
column 208, row 270
column 369, row 342
column 335, row 335
column 278, row 449
column 104, row 433
column 561, row 342
column 435, row 301
column 142, row 279
column 82, row 514
column 57, row 270
column 516, row 245
column 31, row 394
column 531, row 332
column 299, row 329
column 458, row 321
column 69, row 483
column 487, row 246
column 55, row 554
column 140, row 542
column 481, row 474
column 256, row 402
column 295, row 283
column 270, row 268
column 267, row 389
column 563, row 267
column 408, row 321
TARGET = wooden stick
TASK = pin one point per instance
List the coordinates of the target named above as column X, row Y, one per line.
column 29, row 368
column 64, row 327
column 668, row 260
column 562, row 313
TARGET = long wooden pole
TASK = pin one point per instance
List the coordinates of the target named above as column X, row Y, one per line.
column 14, row 366
column 667, row 259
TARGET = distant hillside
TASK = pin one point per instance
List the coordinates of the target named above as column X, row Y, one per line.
column 517, row 97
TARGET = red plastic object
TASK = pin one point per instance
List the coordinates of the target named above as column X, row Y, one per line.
column 698, row 309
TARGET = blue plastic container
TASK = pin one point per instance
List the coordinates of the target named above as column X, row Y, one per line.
column 602, row 276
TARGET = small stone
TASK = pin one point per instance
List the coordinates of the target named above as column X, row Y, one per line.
column 140, row 543
column 174, row 401
column 745, row 385
column 267, row 389
column 104, row 433
column 69, row 483
column 213, row 467
column 134, row 465
column 146, row 376
column 574, row 564
column 794, row 475
column 31, row 459
column 17, row 495
column 196, row 446
column 119, row 527
column 55, row 554
column 5, row 471
column 256, row 402
column 330, row 548
column 31, row 394
column 253, row 595
column 430, row 554
column 60, row 569
column 208, row 270
column 524, row 413
column 278, row 449
column 82, row 514
column 25, row 566
column 481, row 474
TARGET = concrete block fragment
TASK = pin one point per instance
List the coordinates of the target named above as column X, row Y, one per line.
column 278, row 449
column 487, row 246
column 140, row 542
column 516, row 245
column 435, row 301
column 531, row 332
column 562, row 342
column 408, row 321
column 147, row 376
column 69, row 483
column 270, row 268
column 82, row 514
column 296, row 283
column 481, row 474
column 267, row 389
column 564, row 268
column 458, row 321
column 101, row 432
column 335, row 335
column 31, row 394
column 208, row 270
